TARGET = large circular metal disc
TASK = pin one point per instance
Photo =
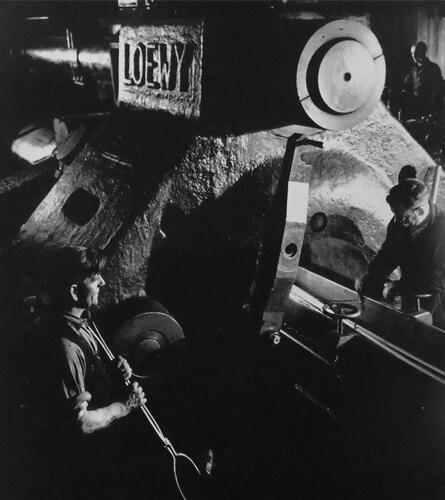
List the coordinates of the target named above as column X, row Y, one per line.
column 350, row 74
column 146, row 333
column 346, row 76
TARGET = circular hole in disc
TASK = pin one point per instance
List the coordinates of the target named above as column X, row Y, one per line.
column 291, row 250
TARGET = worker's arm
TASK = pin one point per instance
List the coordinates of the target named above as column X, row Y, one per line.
column 100, row 418
column 436, row 275
column 436, row 90
column 384, row 263
column 407, row 85
column 388, row 257
column 73, row 383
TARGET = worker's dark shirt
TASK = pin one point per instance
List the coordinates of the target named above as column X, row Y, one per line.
column 85, row 462
column 420, row 255
column 84, row 365
column 424, row 83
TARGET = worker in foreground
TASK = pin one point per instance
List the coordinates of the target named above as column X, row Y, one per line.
column 90, row 451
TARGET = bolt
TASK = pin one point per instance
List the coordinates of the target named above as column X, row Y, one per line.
column 276, row 339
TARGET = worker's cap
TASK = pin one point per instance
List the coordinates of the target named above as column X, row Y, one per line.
column 408, row 193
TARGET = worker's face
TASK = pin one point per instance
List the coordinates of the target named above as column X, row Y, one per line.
column 418, row 55
column 87, row 291
column 408, row 217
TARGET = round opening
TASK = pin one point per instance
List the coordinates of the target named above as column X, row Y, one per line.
column 347, row 77
column 291, row 250
column 81, row 206
column 318, row 222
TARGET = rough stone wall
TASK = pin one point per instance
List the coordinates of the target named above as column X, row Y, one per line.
column 111, row 187
column 213, row 205
column 213, row 196
column 381, row 142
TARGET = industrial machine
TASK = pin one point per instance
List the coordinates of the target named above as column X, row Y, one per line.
column 218, row 153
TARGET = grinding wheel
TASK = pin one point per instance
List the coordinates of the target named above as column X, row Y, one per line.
column 144, row 336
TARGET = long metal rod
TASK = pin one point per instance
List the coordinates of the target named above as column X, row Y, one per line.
column 316, row 401
column 299, row 295
column 94, row 58
column 317, row 305
column 143, row 407
column 408, row 358
column 150, row 418
column 306, row 348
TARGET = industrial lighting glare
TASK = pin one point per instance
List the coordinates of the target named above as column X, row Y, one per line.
column 127, row 4
column 37, row 18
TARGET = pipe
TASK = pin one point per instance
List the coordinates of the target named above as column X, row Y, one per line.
column 96, row 57
column 436, row 183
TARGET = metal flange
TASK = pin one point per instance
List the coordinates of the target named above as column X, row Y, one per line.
column 340, row 74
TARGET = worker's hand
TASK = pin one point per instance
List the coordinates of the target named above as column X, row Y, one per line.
column 359, row 284
column 136, row 397
column 123, row 366
column 81, row 404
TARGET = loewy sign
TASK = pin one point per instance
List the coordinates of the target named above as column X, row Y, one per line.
column 160, row 67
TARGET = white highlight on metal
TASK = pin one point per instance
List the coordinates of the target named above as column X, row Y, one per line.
column 35, row 146
column 436, row 183
column 127, row 3
column 94, row 57
column 54, row 55
column 297, row 202
column 346, row 76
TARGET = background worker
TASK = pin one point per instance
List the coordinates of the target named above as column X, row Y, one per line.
column 415, row 242
column 422, row 87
